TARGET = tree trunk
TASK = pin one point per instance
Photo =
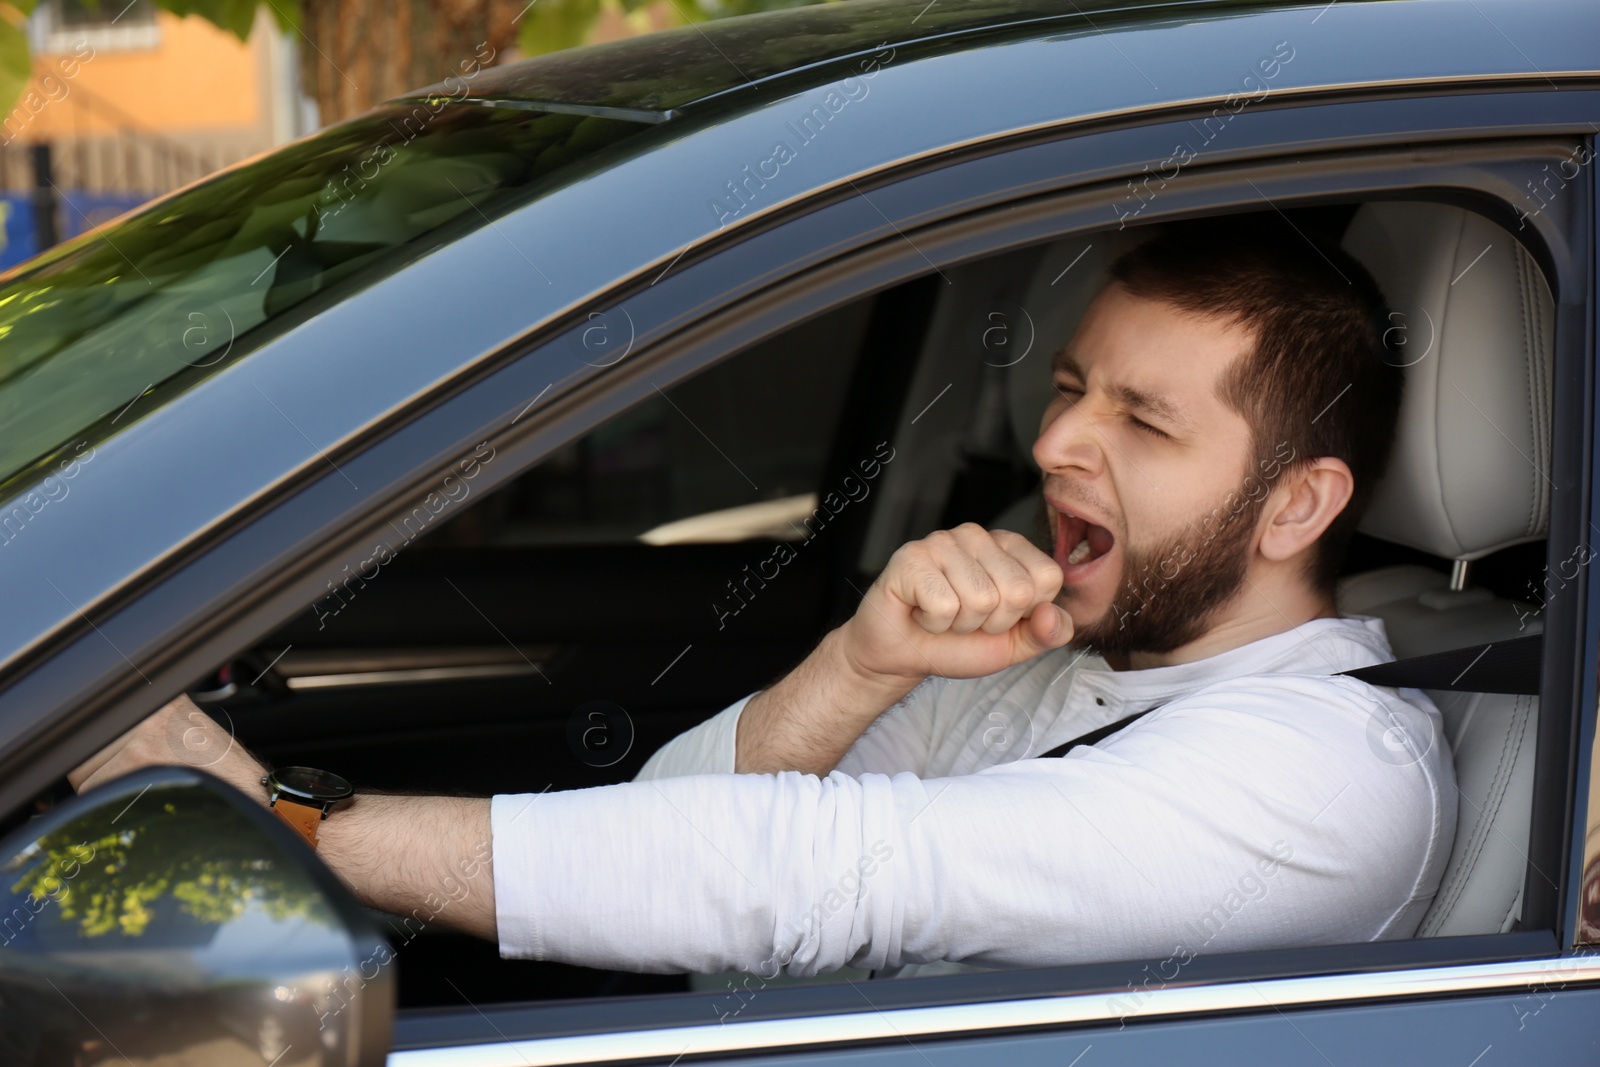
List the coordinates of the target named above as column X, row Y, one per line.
column 358, row 53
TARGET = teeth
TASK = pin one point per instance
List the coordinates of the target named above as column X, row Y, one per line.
column 1080, row 553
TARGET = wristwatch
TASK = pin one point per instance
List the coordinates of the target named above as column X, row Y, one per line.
column 303, row 797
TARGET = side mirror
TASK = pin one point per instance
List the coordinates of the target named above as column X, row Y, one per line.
column 164, row 917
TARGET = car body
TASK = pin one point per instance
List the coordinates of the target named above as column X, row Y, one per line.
column 735, row 182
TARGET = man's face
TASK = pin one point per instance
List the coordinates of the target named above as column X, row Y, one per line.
column 1138, row 454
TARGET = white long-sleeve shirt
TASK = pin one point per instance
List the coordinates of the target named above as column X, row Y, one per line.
column 1266, row 803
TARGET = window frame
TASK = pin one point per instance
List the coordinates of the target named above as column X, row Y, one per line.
column 720, row 301
column 1585, row 798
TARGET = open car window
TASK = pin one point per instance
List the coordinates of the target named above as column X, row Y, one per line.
column 501, row 610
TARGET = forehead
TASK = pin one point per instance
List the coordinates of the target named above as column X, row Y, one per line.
column 1155, row 348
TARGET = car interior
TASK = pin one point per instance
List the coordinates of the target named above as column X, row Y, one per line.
column 558, row 630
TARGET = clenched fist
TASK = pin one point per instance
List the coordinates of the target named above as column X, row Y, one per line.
column 959, row 603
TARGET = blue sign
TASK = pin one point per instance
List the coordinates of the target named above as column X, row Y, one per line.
column 17, row 233
column 78, row 212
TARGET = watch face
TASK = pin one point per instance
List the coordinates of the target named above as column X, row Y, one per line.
column 311, row 784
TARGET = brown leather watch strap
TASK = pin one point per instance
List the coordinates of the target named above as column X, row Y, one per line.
column 305, row 818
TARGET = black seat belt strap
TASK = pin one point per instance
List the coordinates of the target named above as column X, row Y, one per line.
column 1094, row 736
column 1510, row 666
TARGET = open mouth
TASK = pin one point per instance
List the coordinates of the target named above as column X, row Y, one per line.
column 1079, row 541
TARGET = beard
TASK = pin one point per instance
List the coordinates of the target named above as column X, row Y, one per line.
column 1172, row 591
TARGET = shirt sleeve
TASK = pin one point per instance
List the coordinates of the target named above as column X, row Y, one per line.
column 705, row 749
column 1176, row 836
column 897, row 740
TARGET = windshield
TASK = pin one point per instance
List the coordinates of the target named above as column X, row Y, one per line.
column 143, row 307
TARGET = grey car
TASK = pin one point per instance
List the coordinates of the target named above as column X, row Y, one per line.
column 362, row 443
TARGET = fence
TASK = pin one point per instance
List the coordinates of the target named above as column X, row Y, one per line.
column 52, row 190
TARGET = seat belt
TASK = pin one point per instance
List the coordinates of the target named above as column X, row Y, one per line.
column 1094, row 737
column 1510, row 667
column 1499, row 667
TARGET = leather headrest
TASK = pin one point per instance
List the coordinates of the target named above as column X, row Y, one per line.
column 1474, row 323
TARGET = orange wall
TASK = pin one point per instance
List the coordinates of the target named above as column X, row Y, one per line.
column 197, row 79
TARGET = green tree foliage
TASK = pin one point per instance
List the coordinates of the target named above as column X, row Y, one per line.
column 15, row 62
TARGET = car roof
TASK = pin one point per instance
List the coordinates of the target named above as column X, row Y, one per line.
column 665, row 75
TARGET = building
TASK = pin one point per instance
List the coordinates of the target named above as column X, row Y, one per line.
column 128, row 102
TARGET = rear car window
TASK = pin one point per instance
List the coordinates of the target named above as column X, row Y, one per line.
column 155, row 300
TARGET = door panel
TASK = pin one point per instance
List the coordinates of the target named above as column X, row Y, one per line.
column 1533, row 1027
column 630, row 624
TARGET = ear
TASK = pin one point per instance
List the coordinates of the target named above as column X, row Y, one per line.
column 1302, row 506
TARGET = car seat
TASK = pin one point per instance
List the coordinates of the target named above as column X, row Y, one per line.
column 1468, row 477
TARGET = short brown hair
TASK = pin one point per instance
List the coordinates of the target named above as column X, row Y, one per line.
column 1320, row 377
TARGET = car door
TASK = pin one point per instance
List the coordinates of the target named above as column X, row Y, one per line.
column 1316, row 999
column 1439, row 998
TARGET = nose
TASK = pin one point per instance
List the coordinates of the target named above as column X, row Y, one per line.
column 1068, row 440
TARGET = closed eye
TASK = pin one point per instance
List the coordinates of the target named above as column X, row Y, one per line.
column 1147, row 428
column 1072, row 392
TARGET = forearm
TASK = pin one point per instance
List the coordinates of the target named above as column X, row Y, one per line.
column 809, row 719
column 421, row 856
